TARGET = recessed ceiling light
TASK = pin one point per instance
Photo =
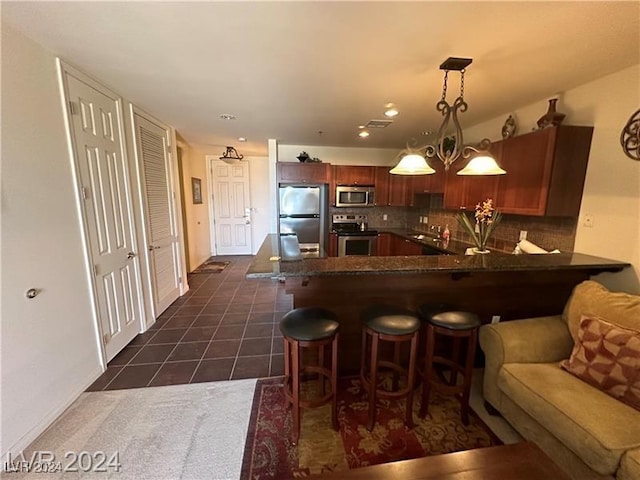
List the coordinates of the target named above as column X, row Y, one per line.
column 361, row 126
column 363, row 134
column 242, row 139
column 227, row 116
column 390, row 110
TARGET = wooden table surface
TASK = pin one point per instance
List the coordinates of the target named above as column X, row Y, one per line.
column 518, row 461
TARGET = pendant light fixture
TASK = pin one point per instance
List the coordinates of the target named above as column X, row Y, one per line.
column 450, row 148
column 412, row 164
column 231, row 155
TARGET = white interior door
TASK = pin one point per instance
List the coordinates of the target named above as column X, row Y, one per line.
column 153, row 149
column 103, row 172
column 231, row 206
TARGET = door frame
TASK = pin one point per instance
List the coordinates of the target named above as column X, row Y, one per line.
column 64, row 69
column 142, row 226
column 210, row 159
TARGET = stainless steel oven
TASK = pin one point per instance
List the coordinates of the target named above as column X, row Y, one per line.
column 357, row 244
column 355, row 196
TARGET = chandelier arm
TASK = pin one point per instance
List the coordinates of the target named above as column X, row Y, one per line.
column 481, row 147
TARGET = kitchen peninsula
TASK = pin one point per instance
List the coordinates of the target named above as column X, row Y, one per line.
column 508, row 286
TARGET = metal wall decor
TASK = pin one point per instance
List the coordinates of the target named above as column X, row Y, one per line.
column 630, row 137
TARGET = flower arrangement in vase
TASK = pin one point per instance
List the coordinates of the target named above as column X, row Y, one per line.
column 487, row 219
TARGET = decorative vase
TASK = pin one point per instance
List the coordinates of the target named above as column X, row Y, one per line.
column 552, row 117
column 477, row 251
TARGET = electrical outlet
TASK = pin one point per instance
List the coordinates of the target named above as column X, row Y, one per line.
column 588, row 220
column 495, row 319
column 523, row 235
column 384, row 217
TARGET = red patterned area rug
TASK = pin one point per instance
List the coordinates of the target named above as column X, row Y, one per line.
column 269, row 453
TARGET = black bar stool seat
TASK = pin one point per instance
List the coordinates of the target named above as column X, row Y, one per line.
column 457, row 325
column 309, row 327
column 396, row 325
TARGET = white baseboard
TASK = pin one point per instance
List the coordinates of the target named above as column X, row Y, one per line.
column 28, row 438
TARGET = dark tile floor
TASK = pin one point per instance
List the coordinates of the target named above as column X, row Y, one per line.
column 224, row 328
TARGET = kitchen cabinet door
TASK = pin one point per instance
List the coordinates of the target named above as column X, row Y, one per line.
column 333, row 245
column 384, row 244
column 404, row 247
column 433, row 183
column 289, row 172
column 466, row 191
column 545, row 171
column 353, row 175
column 382, row 186
column 398, row 191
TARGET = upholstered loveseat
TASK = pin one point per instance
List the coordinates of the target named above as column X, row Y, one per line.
column 587, row 432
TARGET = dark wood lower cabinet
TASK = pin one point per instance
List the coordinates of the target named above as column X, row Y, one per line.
column 384, row 244
column 333, row 245
column 511, row 295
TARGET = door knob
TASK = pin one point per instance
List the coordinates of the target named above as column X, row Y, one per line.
column 32, row 293
column 131, row 255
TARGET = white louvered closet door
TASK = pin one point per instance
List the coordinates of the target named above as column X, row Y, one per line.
column 152, row 144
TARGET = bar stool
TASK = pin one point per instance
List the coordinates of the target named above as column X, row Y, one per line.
column 395, row 325
column 309, row 327
column 458, row 326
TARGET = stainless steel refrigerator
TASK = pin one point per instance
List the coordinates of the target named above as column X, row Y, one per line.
column 303, row 212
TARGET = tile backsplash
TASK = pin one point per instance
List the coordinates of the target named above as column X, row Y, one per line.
column 546, row 232
column 396, row 216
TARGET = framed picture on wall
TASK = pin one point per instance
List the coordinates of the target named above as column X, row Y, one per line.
column 196, row 189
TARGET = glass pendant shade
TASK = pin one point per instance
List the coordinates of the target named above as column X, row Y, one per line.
column 412, row 164
column 483, row 164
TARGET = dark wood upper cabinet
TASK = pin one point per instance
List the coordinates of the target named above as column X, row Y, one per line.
column 466, row 191
column 289, row 172
column 353, row 175
column 545, row 171
column 382, row 186
column 398, row 191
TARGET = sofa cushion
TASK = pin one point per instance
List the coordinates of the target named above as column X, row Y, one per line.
column 607, row 357
column 592, row 299
column 593, row 425
column 630, row 466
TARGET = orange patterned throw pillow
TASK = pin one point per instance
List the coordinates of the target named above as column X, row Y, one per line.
column 607, row 357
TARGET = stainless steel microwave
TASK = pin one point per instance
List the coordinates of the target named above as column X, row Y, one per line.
column 355, row 196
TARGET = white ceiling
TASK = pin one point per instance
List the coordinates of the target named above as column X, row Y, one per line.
column 288, row 70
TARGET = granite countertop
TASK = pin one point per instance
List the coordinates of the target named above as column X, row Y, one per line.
column 268, row 263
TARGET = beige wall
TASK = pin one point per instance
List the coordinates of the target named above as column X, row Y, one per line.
column 612, row 188
column 49, row 347
column 340, row 155
column 197, row 215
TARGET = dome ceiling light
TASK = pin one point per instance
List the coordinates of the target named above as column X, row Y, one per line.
column 450, row 148
column 391, row 110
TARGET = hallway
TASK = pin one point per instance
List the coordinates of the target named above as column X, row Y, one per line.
column 224, row 328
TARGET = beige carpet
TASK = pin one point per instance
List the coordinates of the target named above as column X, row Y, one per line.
column 192, row 431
